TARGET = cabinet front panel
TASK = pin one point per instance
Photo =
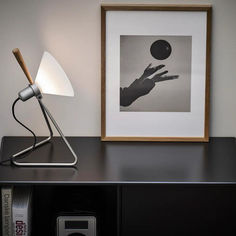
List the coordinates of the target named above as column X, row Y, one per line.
column 153, row 210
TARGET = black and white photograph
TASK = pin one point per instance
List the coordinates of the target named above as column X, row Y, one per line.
column 155, row 73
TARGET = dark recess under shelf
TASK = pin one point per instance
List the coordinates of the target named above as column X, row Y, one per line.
column 52, row 201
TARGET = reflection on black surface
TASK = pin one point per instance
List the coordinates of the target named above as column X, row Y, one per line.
column 220, row 161
column 155, row 162
column 125, row 161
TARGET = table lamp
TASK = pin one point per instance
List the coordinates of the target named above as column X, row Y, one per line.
column 50, row 79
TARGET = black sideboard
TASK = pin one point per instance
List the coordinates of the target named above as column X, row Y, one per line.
column 135, row 188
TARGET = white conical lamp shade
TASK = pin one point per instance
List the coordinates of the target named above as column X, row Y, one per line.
column 51, row 78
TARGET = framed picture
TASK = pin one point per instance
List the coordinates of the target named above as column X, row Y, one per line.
column 155, row 72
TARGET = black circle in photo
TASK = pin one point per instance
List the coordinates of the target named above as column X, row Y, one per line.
column 160, row 49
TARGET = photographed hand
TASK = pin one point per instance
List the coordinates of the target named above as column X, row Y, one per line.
column 151, row 70
column 159, row 77
column 143, row 86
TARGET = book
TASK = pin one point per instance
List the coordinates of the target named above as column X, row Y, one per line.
column 6, row 193
column 22, row 211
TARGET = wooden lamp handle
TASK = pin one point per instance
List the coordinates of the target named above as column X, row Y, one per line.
column 22, row 64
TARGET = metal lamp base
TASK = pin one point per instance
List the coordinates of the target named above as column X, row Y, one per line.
column 46, row 115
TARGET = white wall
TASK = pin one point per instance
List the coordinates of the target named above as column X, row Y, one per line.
column 70, row 30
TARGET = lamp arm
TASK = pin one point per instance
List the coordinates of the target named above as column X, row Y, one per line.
column 60, row 132
column 22, row 64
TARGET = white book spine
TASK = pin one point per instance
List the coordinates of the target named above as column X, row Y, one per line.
column 6, row 211
column 20, row 221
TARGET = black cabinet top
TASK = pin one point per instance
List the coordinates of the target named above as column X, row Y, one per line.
column 124, row 162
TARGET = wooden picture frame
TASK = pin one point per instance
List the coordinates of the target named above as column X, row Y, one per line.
column 126, row 33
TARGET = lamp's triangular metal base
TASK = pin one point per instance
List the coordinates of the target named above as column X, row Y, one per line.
column 46, row 115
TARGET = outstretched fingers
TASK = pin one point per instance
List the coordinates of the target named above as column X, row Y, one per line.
column 156, row 68
column 164, row 78
column 148, row 66
column 150, row 70
column 160, row 74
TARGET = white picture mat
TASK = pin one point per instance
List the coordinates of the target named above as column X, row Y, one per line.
column 155, row 124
